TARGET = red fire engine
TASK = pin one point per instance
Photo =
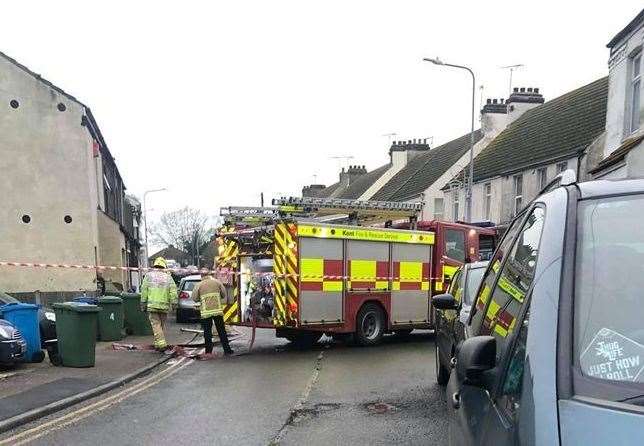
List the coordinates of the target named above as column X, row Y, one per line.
column 294, row 268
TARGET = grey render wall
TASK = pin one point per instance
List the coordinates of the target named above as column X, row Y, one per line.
column 112, row 250
column 502, row 202
column 47, row 171
column 618, row 107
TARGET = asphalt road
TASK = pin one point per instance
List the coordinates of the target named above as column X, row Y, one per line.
column 332, row 394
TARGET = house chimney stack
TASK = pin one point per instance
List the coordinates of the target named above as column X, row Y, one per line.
column 521, row 100
column 493, row 117
column 402, row 151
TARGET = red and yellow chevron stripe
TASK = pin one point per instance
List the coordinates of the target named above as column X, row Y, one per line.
column 286, row 273
column 229, row 260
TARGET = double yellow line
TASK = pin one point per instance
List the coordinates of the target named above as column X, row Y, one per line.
column 91, row 409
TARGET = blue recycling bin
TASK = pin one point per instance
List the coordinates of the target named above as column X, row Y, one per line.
column 86, row 300
column 25, row 318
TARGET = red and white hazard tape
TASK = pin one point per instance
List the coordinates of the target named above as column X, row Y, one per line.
column 219, row 272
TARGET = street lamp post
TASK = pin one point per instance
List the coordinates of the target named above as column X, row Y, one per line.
column 145, row 220
column 470, row 180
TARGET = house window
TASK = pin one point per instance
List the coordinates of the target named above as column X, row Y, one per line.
column 561, row 167
column 487, row 188
column 518, row 193
column 542, row 177
column 634, row 99
column 456, row 198
column 439, row 208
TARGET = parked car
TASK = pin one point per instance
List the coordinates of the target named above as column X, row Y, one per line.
column 451, row 324
column 46, row 318
column 556, row 352
column 12, row 345
column 187, row 309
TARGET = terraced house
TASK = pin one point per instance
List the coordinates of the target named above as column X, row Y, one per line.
column 622, row 154
column 417, row 172
column 525, row 156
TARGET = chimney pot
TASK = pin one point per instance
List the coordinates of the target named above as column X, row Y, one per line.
column 529, row 89
column 516, row 89
column 409, row 141
column 522, row 89
column 494, row 101
column 502, row 100
column 489, row 101
column 536, row 90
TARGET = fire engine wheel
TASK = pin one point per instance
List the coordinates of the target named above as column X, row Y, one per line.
column 370, row 324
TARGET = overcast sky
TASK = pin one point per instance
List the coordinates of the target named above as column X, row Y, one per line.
column 220, row 101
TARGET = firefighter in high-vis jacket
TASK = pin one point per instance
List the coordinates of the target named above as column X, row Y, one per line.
column 209, row 293
column 158, row 297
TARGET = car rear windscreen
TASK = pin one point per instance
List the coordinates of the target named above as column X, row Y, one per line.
column 189, row 285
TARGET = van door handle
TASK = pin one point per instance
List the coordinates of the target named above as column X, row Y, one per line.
column 456, row 400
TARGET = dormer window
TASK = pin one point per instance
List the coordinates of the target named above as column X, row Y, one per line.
column 634, row 96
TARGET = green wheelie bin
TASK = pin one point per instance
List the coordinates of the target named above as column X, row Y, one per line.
column 136, row 321
column 110, row 318
column 76, row 325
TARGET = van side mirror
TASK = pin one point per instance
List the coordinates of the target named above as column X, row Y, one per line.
column 475, row 356
column 444, row 302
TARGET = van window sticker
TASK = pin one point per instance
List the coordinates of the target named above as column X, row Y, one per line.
column 612, row 356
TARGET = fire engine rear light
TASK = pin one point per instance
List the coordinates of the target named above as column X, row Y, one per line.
column 184, row 295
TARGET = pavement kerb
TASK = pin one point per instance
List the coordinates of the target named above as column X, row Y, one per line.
column 29, row 416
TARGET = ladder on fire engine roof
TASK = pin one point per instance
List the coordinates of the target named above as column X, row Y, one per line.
column 356, row 211
column 323, row 209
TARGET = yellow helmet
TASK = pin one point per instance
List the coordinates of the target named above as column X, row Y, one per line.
column 160, row 262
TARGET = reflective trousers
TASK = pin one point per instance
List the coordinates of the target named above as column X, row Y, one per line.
column 221, row 331
column 157, row 320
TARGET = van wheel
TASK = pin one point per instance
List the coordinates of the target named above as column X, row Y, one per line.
column 442, row 373
column 370, row 324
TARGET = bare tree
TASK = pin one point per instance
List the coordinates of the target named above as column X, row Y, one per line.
column 186, row 229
